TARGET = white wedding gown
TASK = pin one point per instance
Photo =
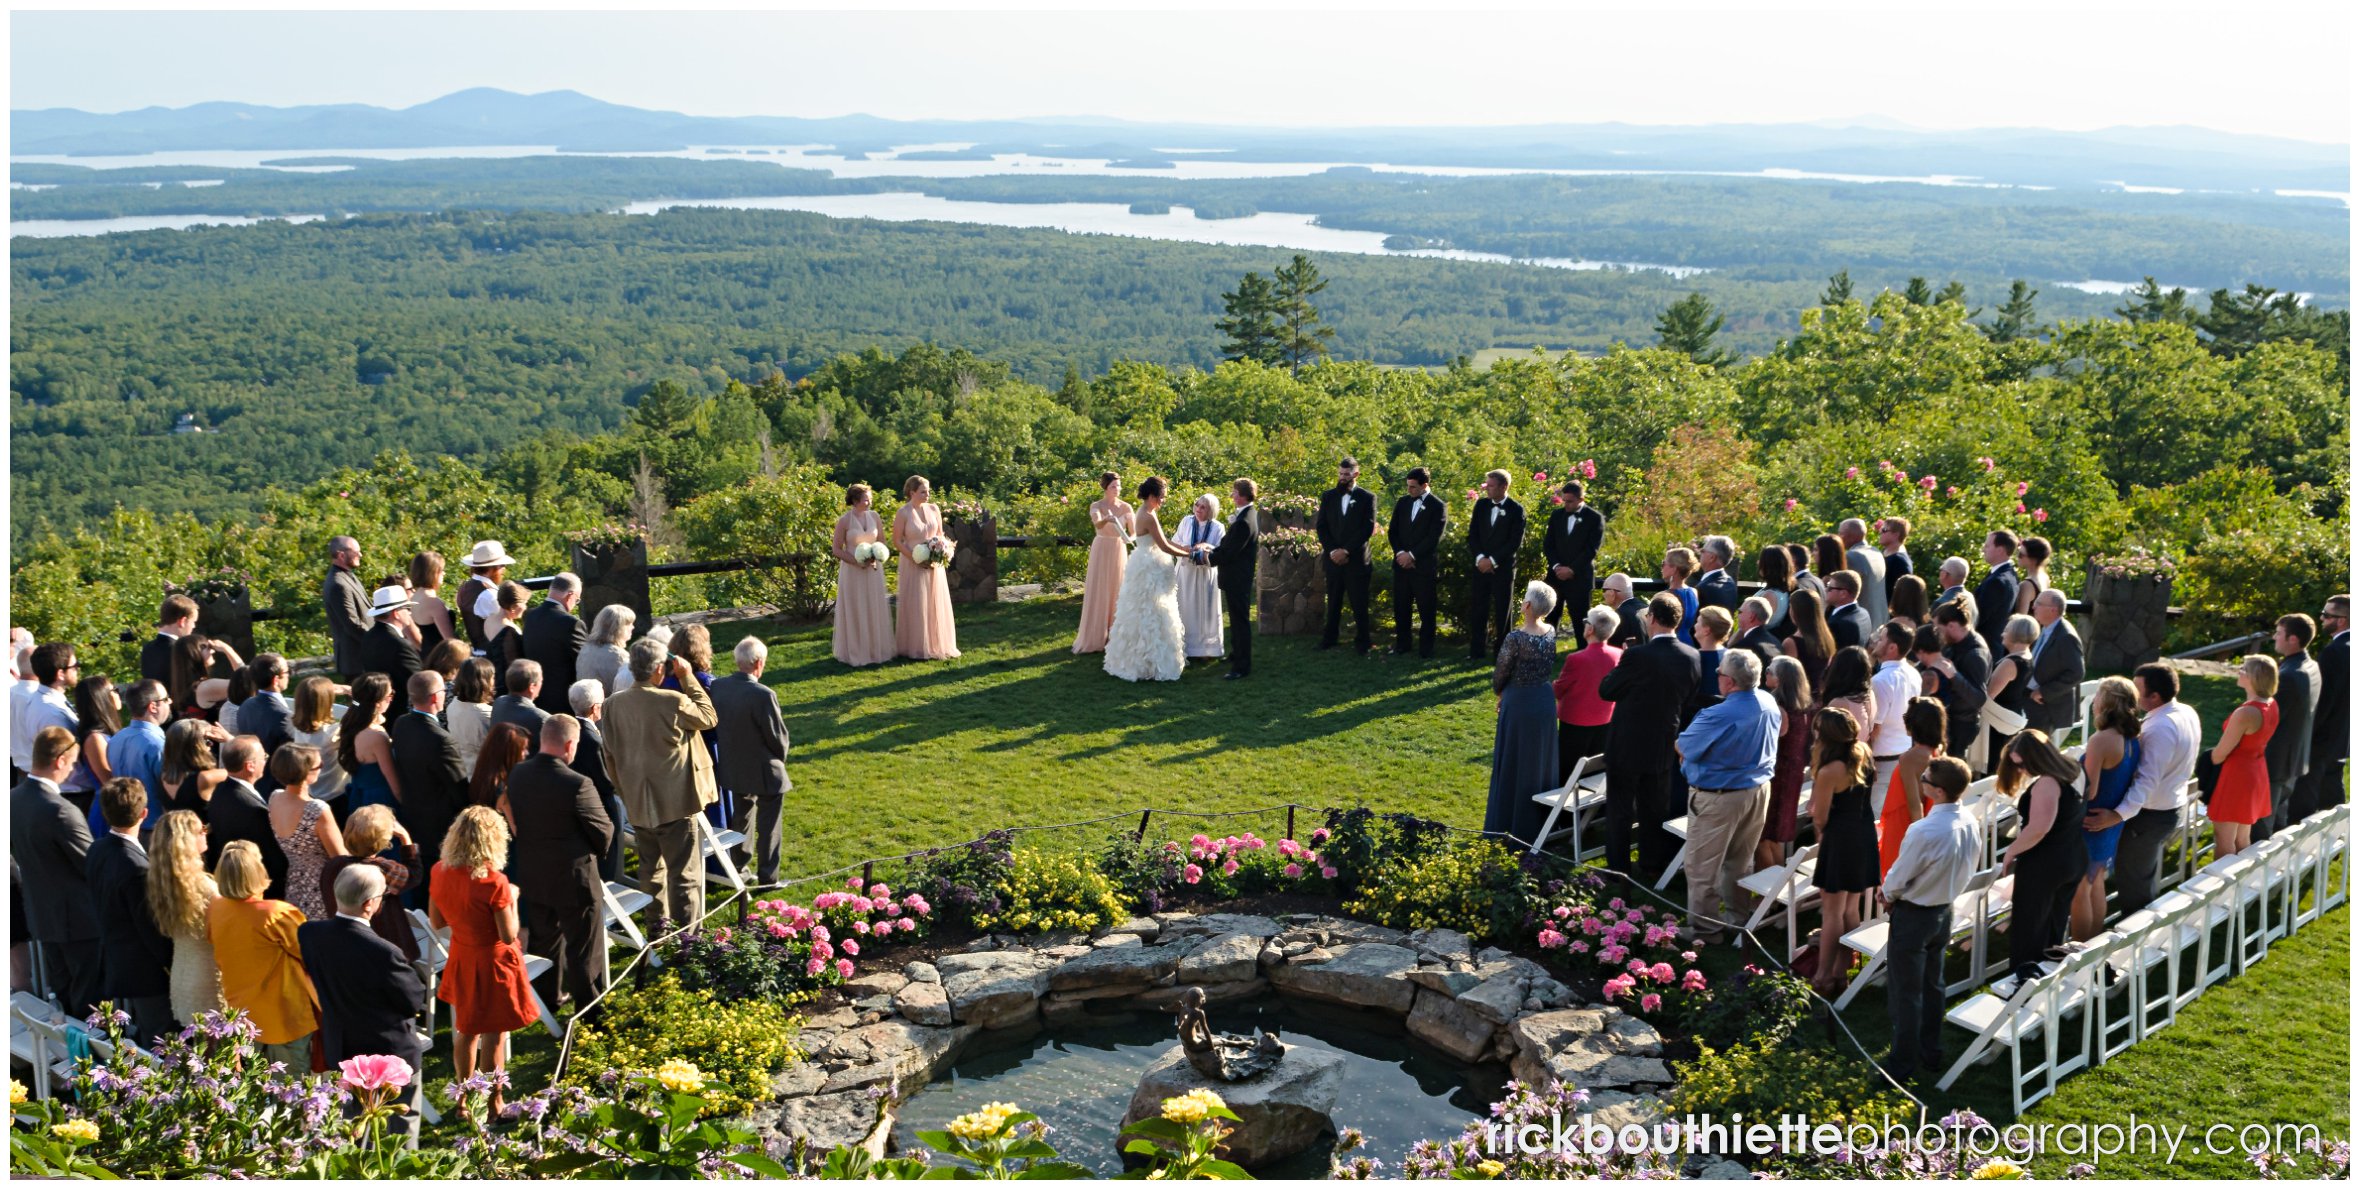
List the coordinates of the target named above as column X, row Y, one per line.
column 1147, row 642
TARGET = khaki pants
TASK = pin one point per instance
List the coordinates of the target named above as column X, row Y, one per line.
column 1722, row 830
column 671, row 869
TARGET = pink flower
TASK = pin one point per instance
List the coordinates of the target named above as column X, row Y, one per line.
column 1561, row 912
column 819, row 933
column 1687, row 956
column 880, row 891
column 1590, row 925
column 1328, row 873
column 1952, row 490
column 860, row 927
column 844, row 968
column 374, row 1072
column 1616, row 904
column 344, row 495
column 2041, row 515
column 1578, row 946
column 814, row 967
column 1229, row 869
column 1661, row 973
column 1851, row 472
column 1612, row 954
column 916, row 904
column 1292, row 870
column 1474, row 493
column 892, row 910
column 1638, row 967
column 1618, row 987
column 1791, row 502
column 1989, row 464
column 1927, row 483
column 851, row 947
column 1199, row 841
column 2022, row 487
column 1550, row 939
column 823, row 951
column 1650, row 1002
column 1192, row 873
column 1589, row 469
column 852, row 882
column 1540, row 477
column 1693, row 980
column 1319, row 836
column 778, row 929
column 2020, row 506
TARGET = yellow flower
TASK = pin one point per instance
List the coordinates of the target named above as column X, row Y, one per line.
column 1998, row 1171
column 983, row 1123
column 76, row 1130
column 1194, row 1107
column 17, row 1093
column 1490, row 1169
column 681, row 1075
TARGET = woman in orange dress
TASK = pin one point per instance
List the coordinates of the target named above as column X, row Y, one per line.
column 2242, row 796
column 1906, row 799
column 922, row 625
column 484, row 982
column 864, row 622
column 1102, row 584
column 261, row 962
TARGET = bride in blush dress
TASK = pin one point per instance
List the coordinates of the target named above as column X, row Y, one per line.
column 1148, row 642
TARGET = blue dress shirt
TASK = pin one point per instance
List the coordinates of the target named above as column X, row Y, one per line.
column 1732, row 744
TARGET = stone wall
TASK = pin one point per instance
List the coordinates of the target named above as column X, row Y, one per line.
column 1290, row 596
column 229, row 618
column 2127, row 623
column 975, row 566
column 614, row 575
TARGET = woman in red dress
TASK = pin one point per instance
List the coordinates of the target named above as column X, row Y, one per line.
column 484, row 982
column 2242, row 796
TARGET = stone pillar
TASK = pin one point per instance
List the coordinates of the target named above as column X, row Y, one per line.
column 2126, row 617
column 229, row 618
column 614, row 574
column 975, row 564
column 1290, row 597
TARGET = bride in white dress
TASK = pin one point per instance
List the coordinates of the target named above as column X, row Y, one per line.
column 1148, row 642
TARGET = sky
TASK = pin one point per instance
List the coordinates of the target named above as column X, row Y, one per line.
column 2057, row 65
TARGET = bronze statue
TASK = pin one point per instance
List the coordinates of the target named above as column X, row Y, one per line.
column 1224, row 1056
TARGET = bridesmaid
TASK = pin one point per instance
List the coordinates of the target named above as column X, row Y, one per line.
column 1200, row 590
column 1103, row 583
column 864, row 624
column 923, row 629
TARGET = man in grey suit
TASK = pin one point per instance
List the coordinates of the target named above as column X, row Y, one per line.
column 2289, row 751
column 521, row 706
column 1868, row 562
column 348, row 604
column 2057, row 668
column 753, row 744
column 49, row 842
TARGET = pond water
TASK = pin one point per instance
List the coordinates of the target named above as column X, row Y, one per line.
column 1078, row 1078
column 47, row 228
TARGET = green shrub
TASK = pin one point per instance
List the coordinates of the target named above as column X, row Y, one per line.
column 1054, row 891
column 738, row 1044
column 1768, row 1079
column 1478, row 887
column 1753, row 1007
column 792, row 515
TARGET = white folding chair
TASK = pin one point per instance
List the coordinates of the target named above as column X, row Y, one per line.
column 2036, row 1015
column 2256, row 895
column 2339, row 855
column 534, row 967
column 34, row 1026
column 1872, row 938
column 1786, row 886
column 618, row 903
column 2170, row 934
column 1678, row 829
column 2081, row 727
column 1985, row 915
column 1584, row 794
column 715, row 847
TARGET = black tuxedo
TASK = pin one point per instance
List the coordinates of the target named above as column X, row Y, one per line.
column 434, row 785
column 1494, row 531
column 1995, row 601
column 1572, row 541
column 385, row 649
column 1717, row 589
column 135, row 959
column 370, row 997
column 1346, row 528
column 1414, row 588
column 1849, row 625
column 554, row 637
column 155, row 658
column 239, row 811
column 49, row 845
column 562, row 831
column 1648, row 689
column 1234, row 561
column 2331, row 730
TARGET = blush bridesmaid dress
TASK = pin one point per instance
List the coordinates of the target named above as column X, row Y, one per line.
column 1102, row 584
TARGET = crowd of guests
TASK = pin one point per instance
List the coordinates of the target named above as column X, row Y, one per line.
column 195, row 838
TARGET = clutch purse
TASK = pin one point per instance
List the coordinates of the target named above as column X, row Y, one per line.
column 2208, row 775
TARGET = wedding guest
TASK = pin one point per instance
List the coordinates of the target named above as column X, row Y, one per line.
column 553, row 639
column 135, row 962
column 267, row 715
column 1827, row 555
column 432, row 787
column 487, row 564
column 469, row 715
column 602, row 656
column 1570, row 547
column 1809, row 640
column 923, row 626
column 196, row 693
column 2048, row 855
column 664, row 775
column 1847, row 831
column 1629, row 610
column 314, row 725
column 1712, row 630
column 1753, row 630
column 1969, row 675
column 864, row 621
column 1792, row 692
column 1801, row 558
column 2241, row 797
column 520, row 707
column 1524, row 742
column 1415, row 536
column 1102, row 582
column 51, row 703
column 428, row 611
column 347, row 602
column 1233, row 561
column 49, row 850
column 446, row 658
column 1893, row 543
column 1647, row 689
column 261, row 961
column 1728, row 754
column 1939, row 679
column 1716, row 587
column 1995, row 596
column 2109, row 764
column 1849, row 686
column 752, row 760
column 1905, row 794
column 1495, row 532
column 1678, row 563
column 179, row 893
column 305, row 830
column 1891, row 687
column 2289, row 753
column 2150, row 811
column 1906, row 600
column 2322, row 787
column 1777, row 569
column 138, row 750
column 1936, row 865
column 1952, row 576
column 386, row 648
column 1867, row 564
column 189, row 770
column 561, row 831
column 1847, row 621
column 239, row 811
column 502, row 749
column 1199, row 583
column 373, row 773
column 175, row 619
column 2057, row 668
column 2010, row 683
column 98, row 713
column 695, row 644
column 369, row 995
column 1347, row 518
column 372, row 838
column 589, row 699
column 1582, row 716
column 503, row 632
column 484, row 980
column 2032, row 570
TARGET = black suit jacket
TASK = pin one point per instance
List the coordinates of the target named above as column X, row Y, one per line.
column 49, row 842
column 1964, row 698
column 1896, row 564
column 1633, row 629
column 1648, row 687
column 239, row 811
column 1422, row 538
column 590, row 758
column 385, row 650
column 2288, row 754
column 1572, row 537
column 1718, row 589
column 155, row 658
column 2059, row 670
column 369, row 996
column 1995, row 601
column 348, row 617
column 1496, row 537
column 1849, row 625
column 1235, row 557
column 1341, row 530
column 135, row 959
column 434, row 786
column 561, row 832
column 554, row 637
column 267, row 717
column 1763, row 642
column 751, row 736
column 2331, row 730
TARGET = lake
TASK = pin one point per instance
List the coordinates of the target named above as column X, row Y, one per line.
column 50, row 228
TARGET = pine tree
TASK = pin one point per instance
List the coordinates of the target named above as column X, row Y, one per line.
column 2151, row 303
column 667, row 409
column 1919, row 293
column 1955, row 294
column 1839, row 289
column 1302, row 337
column 1251, row 324
column 2016, row 319
column 1688, row 327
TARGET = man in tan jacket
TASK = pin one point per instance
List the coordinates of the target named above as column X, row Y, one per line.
column 663, row 775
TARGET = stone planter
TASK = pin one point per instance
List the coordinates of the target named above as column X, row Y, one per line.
column 1290, row 597
column 975, row 567
column 229, row 618
column 614, row 574
column 2126, row 619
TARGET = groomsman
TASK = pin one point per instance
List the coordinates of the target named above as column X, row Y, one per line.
column 1235, row 558
column 1347, row 519
column 1493, row 537
column 1570, row 546
column 1415, row 534
column 2331, row 727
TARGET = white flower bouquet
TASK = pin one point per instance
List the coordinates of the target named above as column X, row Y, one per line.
column 934, row 551
column 871, row 553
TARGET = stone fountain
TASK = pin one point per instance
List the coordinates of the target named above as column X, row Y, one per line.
column 1284, row 1095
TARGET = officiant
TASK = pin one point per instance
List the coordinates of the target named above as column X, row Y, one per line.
column 1199, row 578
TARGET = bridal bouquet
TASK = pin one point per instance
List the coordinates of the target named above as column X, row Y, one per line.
column 934, row 551
column 871, row 553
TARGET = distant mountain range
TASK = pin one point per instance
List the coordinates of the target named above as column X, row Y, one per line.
column 2185, row 157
